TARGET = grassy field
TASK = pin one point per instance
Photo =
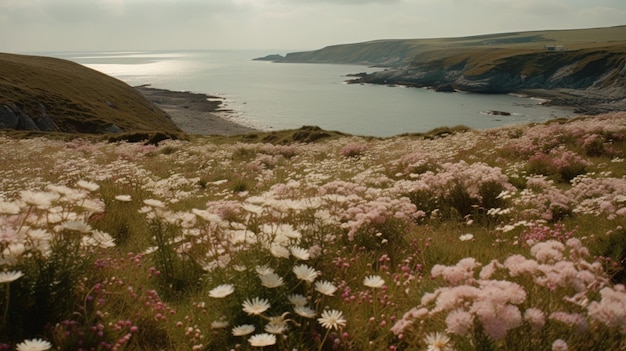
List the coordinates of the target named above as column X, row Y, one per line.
column 503, row 239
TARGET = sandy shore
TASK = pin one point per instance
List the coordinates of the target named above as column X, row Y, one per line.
column 194, row 113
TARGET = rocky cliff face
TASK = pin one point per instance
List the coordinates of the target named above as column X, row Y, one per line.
column 588, row 66
column 581, row 69
column 598, row 75
column 53, row 95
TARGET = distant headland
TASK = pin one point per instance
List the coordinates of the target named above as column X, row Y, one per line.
column 581, row 68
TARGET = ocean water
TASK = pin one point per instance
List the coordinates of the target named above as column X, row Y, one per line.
column 273, row 96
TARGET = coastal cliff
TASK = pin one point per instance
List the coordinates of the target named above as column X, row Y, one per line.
column 584, row 68
column 592, row 80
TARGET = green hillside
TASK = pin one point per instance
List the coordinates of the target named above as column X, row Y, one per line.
column 395, row 52
column 62, row 96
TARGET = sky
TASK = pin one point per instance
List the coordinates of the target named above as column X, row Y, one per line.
column 287, row 25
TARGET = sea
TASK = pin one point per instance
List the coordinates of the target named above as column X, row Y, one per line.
column 274, row 96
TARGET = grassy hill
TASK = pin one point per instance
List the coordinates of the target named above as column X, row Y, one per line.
column 77, row 99
column 396, row 52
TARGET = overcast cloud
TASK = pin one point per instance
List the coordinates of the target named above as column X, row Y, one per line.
column 72, row 25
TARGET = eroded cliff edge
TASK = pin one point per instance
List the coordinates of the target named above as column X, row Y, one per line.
column 584, row 68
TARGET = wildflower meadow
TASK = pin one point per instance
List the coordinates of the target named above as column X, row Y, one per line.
column 504, row 239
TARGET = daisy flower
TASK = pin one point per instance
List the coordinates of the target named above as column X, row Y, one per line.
column 306, row 273
column 7, row 277
column 325, row 287
column 77, row 226
column 332, row 319
column 373, row 281
column 304, row 311
column 262, row 270
column 297, row 299
column 438, row 342
column 221, row 291
column 260, row 340
column 41, row 200
column 466, row 237
column 271, row 280
column 243, row 330
column 255, row 306
column 300, row 253
column 219, row 324
column 88, row 185
column 123, row 198
column 276, row 328
column 34, row 345
column 154, row 203
column 279, row 251
column 98, row 239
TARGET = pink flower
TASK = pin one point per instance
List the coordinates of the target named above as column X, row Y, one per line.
column 535, row 318
column 559, row 345
column 575, row 320
column 459, row 322
column 611, row 309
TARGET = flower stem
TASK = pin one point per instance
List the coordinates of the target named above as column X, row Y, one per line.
column 324, row 340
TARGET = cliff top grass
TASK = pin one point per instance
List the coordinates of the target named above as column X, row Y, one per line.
column 78, row 99
column 480, row 50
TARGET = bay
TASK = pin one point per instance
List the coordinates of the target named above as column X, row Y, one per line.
column 274, row 96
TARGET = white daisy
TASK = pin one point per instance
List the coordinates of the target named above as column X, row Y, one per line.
column 88, row 185
column 276, row 328
column 219, row 324
column 221, row 291
column 154, row 203
column 7, row 277
column 34, row 345
column 297, row 299
column 243, row 330
column 373, row 281
column 255, row 306
column 466, row 237
column 325, row 287
column 279, row 251
column 98, row 239
column 332, row 319
column 304, row 311
column 271, row 280
column 9, row 207
column 123, row 198
column 262, row 270
column 306, row 273
column 438, row 342
column 41, row 200
column 300, row 253
column 260, row 340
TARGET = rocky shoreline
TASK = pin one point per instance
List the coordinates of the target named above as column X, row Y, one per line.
column 194, row 113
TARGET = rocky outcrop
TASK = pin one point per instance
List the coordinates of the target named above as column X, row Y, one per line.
column 593, row 77
column 12, row 117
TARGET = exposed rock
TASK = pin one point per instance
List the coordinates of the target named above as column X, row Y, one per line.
column 8, row 118
column 498, row 113
column 13, row 117
column 113, row 129
column 444, row 88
